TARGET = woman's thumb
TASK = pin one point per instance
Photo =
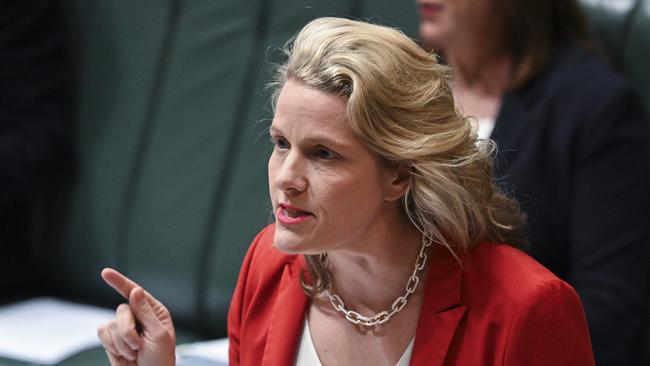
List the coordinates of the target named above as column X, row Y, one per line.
column 142, row 309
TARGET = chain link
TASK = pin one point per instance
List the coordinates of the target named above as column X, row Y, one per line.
column 399, row 303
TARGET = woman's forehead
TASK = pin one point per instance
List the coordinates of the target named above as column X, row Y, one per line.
column 297, row 97
column 300, row 107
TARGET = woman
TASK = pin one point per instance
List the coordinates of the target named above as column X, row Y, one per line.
column 574, row 146
column 385, row 247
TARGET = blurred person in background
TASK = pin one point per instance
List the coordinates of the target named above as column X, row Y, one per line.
column 573, row 148
column 36, row 154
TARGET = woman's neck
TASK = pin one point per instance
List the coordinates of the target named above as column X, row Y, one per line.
column 487, row 72
column 481, row 77
column 369, row 278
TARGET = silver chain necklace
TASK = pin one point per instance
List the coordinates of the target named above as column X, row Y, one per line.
column 399, row 303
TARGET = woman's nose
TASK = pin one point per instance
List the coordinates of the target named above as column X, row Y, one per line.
column 290, row 176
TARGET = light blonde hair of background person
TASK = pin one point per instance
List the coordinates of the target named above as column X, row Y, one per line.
column 400, row 105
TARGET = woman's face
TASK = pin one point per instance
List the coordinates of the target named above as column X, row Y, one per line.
column 328, row 190
column 451, row 23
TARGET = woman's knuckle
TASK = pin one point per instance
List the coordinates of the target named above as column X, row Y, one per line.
column 112, row 328
column 108, row 345
column 124, row 331
column 121, row 307
column 130, row 336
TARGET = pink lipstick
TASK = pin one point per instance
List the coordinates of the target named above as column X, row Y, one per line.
column 429, row 10
column 290, row 215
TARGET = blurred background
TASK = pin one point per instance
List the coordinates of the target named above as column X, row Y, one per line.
column 133, row 135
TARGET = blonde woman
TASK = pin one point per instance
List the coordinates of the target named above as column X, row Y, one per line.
column 386, row 248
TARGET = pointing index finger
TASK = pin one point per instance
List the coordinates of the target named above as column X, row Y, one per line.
column 119, row 282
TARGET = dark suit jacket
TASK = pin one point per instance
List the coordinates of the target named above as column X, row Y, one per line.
column 574, row 148
column 502, row 309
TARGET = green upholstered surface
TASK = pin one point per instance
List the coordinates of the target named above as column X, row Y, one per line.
column 636, row 59
column 93, row 357
column 117, row 47
column 398, row 14
column 186, row 154
column 608, row 20
column 623, row 28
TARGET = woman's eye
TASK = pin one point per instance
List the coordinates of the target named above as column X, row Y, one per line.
column 280, row 143
column 325, row 154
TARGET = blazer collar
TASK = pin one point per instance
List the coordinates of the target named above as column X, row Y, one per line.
column 441, row 310
column 288, row 317
column 439, row 317
column 512, row 119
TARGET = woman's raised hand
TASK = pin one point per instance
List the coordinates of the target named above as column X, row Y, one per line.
column 142, row 332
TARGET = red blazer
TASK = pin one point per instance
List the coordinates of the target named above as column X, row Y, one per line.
column 502, row 308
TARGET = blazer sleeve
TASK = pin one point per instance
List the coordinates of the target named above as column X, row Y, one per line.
column 238, row 305
column 549, row 329
column 610, row 226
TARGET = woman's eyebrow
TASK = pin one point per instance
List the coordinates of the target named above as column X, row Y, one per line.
column 319, row 139
column 314, row 138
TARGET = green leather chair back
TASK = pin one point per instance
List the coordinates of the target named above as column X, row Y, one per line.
column 636, row 58
column 623, row 28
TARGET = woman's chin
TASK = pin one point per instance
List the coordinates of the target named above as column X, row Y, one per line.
column 431, row 35
column 290, row 243
column 288, row 249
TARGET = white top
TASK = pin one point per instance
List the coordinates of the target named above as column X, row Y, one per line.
column 307, row 355
column 485, row 127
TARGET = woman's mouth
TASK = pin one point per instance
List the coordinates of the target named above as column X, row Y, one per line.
column 429, row 10
column 290, row 215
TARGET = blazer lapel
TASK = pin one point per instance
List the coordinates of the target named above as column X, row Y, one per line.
column 441, row 310
column 287, row 319
column 516, row 117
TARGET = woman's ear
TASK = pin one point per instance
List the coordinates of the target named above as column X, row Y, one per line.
column 398, row 182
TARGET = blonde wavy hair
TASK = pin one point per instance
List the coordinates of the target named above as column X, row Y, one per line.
column 400, row 105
